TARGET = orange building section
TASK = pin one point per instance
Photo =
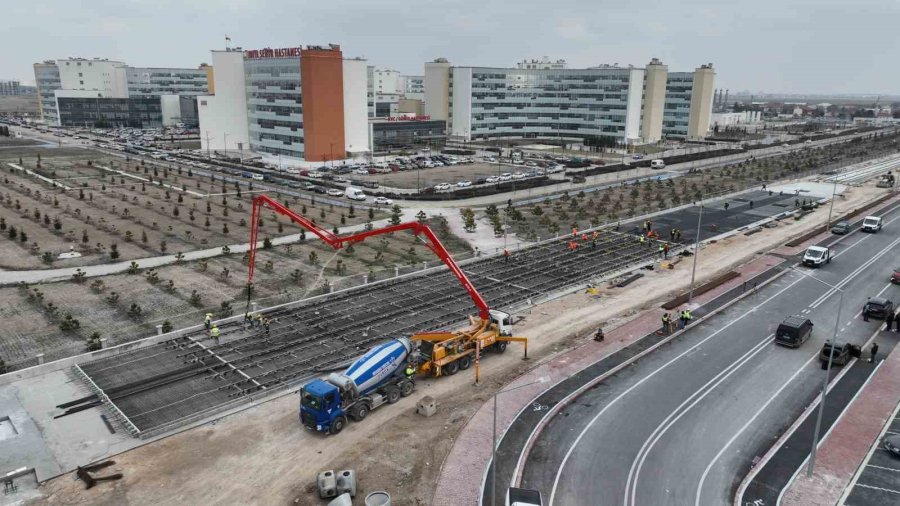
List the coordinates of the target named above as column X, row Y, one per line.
column 322, row 88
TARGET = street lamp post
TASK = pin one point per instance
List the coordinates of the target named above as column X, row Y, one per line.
column 696, row 254
column 225, row 144
column 542, row 379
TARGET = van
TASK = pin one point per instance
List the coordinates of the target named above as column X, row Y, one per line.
column 793, row 331
column 657, row 164
column 871, row 224
column 354, row 193
column 817, row 256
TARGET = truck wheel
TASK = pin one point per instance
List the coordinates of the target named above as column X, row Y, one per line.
column 500, row 346
column 465, row 362
column 337, row 425
column 360, row 411
column 393, row 394
column 451, row 368
column 406, row 388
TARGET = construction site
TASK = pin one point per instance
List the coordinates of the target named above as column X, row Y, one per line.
column 202, row 416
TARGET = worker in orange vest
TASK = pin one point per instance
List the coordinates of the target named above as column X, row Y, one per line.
column 505, row 255
column 574, row 231
column 573, row 245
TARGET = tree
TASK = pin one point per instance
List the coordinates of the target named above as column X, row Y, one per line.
column 371, row 214
column 69, row 323
column 225, row 309
column 166, row 327
column 135, row 310
column 79, row 276
column 267, row 243
column 23, row 236
column 225, row 228
column 134, row 268
column 2, row 223
column 297, row 276
column 395, row 215
column 313, row 258
column 162, row 246
column 93, row 343
column 421, row 217
column 195, row 299
column 113, row 251
column 48, row 257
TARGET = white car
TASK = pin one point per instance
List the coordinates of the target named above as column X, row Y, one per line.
column 518, row 175
column 492, row 179
column 442, row 186
column 361, row 172
column 506, row 176
column 464, row 184
column 384, row 201
column 334, row 192
column 340, row 179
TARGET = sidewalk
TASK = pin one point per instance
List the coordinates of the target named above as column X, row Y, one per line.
column 846, row 446
column 470, row 455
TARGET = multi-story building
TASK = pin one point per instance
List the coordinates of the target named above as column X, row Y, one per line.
column 307, row 103
column 84, row 84
column 46, row 80
column 414, row 87
column 689, row 102
column 154, row 82
column 603, row 105
column 10, row 88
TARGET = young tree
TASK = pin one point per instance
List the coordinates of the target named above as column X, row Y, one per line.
column 113, row 251
column 395, row 215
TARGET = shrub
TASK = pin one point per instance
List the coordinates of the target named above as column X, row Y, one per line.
column 113, row 251
column 135, row 310
column 79, row 276
column 97, row 286
column 134, row 268
column 48, row 257
column 93, row 343
column 166, row 327
column 225, row 309
column 267, row 243
column 69, row 323
column 195, row 299
column 313, row 258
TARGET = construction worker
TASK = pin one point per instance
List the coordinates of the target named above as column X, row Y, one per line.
column 410, row 371
column 573, row 245
column 672, row 235
column 688, row 317
column 575, row 232
column 660, row 250
column 258, row 319
column 214, row 333
column 599, row 335
column 208, row 320
column 874, row 352
column 248, row 321
column 595, row 235
column 666, row 320
column 666, row 250
column 505, row 255
column 584, row 237
column 642, row 239
column 266, row 323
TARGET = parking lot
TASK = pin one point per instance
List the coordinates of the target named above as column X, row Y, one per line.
column 879, row 480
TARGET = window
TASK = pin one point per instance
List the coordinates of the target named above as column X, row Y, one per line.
column 80, row 74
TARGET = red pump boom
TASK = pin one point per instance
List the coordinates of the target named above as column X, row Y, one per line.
column 338, row 242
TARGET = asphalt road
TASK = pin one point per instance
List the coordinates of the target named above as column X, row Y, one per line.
column 683, row 425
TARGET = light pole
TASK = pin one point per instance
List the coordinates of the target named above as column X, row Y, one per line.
column 542, row 379
column 696, row 254
column 831, row 206
column 225, row 144
column 837, row 321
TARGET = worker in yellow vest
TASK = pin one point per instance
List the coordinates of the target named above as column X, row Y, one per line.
column 214, row 333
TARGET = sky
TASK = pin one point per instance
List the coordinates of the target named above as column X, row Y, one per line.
column 779, row 46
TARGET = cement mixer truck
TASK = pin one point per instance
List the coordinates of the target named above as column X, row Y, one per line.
column 375, row 379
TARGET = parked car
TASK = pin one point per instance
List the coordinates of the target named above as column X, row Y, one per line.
column 895, row 276
column 518, row 175
column 878, row 307
column 334, row 192
column 892, row 444
column 840, row 353
column 442, row 187
column 384, row 201
column 506, row 176
column 492, row 179
column 841, row 227
column 637, row 156
column 464, row 184
column 318, row 189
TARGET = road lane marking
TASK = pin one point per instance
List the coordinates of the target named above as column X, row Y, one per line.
column 833, row 289
column 652, row 374
column 638, row 463
column 762, row 408
column 878, row 488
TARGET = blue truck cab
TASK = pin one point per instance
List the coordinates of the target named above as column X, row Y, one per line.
column 320, row 407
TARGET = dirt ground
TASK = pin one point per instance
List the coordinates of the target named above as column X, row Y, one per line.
column 264, row 456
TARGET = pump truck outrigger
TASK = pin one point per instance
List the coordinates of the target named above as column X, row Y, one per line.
column 379, row 376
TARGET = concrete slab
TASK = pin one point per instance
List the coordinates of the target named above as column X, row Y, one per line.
column 53, row 445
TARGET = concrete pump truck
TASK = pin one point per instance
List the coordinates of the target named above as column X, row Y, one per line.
column 380, row 376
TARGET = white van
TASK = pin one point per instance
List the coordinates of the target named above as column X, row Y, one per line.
column 871, row 224
column 657, row 164
column 817, row 256
column 354, row 193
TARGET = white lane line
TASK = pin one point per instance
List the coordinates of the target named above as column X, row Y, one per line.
column 651, row 375
column 831, row 291
column 638, row 463
column 882, row 467
column 879, row 488
column 740, row 431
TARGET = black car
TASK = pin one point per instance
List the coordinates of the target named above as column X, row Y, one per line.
column 879, row 307
column 840, row 353
column 318, row 189
column 892, row 445
column 841, row 228
column 793, row 331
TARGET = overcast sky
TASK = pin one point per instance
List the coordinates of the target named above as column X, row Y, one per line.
column 792, row 46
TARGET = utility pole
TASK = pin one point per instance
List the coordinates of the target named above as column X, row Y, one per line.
column 696, row 254
column 208, row 156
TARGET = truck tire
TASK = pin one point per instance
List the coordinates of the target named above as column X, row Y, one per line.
column 392, row 393
column 337, row 425
column 465, row 362
column 406, row 388
column 500, row 346
column 360, row 411
column 451, row 368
